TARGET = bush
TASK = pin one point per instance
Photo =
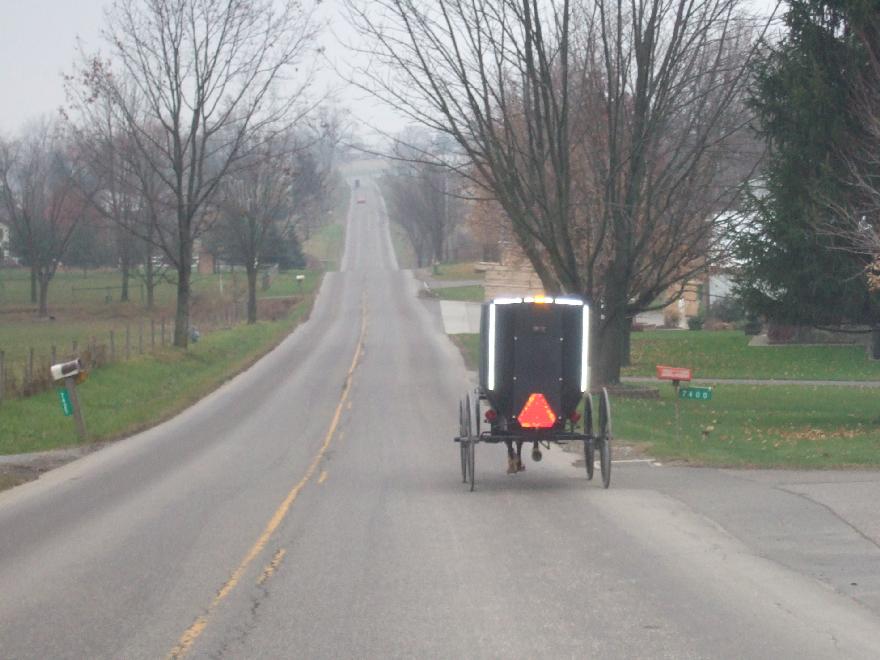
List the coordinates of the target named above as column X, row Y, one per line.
column 671, row 318
column 728, row 309
column 695, row 323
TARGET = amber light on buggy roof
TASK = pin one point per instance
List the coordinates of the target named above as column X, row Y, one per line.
column 537, row 413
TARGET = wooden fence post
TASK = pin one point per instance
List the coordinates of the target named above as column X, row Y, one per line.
column 127, row 341
column 30, row 366
column 163, row 331
column 152, row 334
column 2, row 373
column 112, row 346
column 141, row 338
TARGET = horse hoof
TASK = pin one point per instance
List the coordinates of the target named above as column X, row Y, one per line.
column 511, row 466
column 537, row 455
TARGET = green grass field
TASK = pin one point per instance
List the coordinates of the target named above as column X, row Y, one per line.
column 728, row 355
column 763, row 426
column 81, row 322
column 469, row 293
column 128, row 396
column 794, row 426
column 327, row 245
column 406, row 255
column 457, row 271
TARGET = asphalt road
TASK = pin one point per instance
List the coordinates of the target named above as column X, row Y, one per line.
column 313, row 508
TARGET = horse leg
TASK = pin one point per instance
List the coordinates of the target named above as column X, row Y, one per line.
column 519, row 464
column 511, row 458
column 536, row 452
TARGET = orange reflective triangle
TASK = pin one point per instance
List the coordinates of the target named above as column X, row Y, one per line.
column 537, row 413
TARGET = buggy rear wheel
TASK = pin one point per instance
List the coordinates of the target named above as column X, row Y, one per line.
column 472, row 456
column 471, row 439
column 462, row 433
column 589, row 449
column 605, row 437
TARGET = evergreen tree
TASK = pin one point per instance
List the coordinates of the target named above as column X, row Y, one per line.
column 795, row 269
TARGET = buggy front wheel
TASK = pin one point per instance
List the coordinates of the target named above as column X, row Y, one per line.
column 605, row 437
column 589, row 450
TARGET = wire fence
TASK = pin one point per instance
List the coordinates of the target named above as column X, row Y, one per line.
column 23, row 377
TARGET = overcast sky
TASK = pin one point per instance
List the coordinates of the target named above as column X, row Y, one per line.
column 38, row 43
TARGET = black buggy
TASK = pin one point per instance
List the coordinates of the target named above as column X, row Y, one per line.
column 534, row 373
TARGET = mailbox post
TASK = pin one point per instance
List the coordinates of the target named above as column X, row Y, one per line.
column 71, row 373
column 676, row 375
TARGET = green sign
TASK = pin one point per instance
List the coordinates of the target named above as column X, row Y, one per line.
column 66, row 406
column 698, row 393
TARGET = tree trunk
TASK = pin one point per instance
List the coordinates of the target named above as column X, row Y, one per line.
column 126, row 275
column 181, row 318
column 625, row 358
column 149, row 281
column 252, row 295
column 875, row 342
column 44, row 295
column 610, row 328
column 33, row 284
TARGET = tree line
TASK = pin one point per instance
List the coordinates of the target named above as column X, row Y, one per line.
column 195, row 124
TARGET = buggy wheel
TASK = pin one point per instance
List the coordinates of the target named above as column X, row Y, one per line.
column 461, row 442
column 605, row 437
column 472, row 446
column 476, row 415
column 589, row 448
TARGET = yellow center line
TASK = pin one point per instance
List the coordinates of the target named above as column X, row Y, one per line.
column 198, row 626
column 323, row 477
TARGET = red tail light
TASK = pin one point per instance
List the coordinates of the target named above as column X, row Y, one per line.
column 491, row 415
column 537, row 413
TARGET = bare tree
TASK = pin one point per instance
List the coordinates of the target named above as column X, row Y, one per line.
column 194, row 83
column 41, row 200
column 419, row 199
column 253, row 199
column 601, row 129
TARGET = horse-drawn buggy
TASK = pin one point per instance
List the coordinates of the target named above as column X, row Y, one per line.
column 534, row 374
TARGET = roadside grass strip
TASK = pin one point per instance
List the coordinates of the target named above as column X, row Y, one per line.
column 326, row 245
column 726, row 354
column 126, row 397
column 792, row 426
column 457, row 271
column 781, row 426
column 470, row 293
column 469, row 345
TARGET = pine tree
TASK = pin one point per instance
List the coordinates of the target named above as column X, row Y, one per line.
column 794, row 270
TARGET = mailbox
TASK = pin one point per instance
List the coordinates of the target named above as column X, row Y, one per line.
column 66, row 369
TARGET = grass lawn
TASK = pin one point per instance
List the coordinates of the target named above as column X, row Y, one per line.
column 752, row 425
column 728, row 355
column 470, row 293
column 469, row 345
column 327, row 244
column 763, row 426
column 129, row 396
column 406, row 255
column 79, row 323
column 457, row 271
